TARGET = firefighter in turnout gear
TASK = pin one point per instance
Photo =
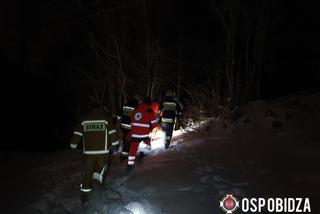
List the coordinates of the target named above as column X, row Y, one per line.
column 143, row 121
column 98, row 135
column 125, row 124
column 170, row 109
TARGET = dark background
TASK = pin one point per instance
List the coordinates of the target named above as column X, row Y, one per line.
column 44, row 44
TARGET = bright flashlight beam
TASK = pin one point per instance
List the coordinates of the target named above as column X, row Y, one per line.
column 135, row 208
column 158, row 137
column 177, row 133
column 157, row 143
column 159, row 140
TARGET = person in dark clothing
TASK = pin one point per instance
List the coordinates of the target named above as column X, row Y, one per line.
column 170, row 108
column 97, row 133
column 125, row 124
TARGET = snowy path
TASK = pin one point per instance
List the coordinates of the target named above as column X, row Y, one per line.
column 178, row 180
column 189, row 178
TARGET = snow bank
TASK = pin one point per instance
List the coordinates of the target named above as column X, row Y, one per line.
column 191, row 177
column 288, row 112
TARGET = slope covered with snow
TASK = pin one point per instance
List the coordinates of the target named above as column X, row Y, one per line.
column 252, row 157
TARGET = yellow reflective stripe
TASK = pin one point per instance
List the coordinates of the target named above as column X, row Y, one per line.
column 73, row 146
column 128, row 108
column 84, row 190
column 167, row 120
column 115, row 143
column 94, row 121
column 169, row 103
column 102, row 171
column 77, row 133
column 96, row 152
column 125, row 126
column 112, row 131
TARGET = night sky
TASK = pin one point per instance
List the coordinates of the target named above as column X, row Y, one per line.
column 43, row 41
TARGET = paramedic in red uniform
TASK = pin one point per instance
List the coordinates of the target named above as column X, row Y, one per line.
column 143, row 120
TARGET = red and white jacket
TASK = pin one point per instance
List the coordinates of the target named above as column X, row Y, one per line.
column 143, row 120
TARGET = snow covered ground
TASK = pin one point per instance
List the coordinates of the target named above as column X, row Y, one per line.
column 253, row 157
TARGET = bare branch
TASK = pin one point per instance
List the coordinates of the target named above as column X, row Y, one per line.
column 101, row 12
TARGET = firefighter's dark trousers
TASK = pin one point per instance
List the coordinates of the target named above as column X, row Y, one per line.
column 126, row 143
column 168, row 129
column 94, row 167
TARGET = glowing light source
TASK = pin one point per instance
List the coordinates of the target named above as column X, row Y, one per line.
column 158, row 137
column 135, row 208
column 156, row 144
column 179, row 132
column 158, row 140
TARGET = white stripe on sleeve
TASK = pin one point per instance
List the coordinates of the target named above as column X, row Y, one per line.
column 77, row 133
column 112, row 131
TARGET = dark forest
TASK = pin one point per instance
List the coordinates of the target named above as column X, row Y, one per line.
column 247, row 73
column 70, row 53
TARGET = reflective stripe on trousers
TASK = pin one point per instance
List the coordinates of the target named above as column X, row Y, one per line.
column 99, row 176
column 131, row 160
column 84, row 189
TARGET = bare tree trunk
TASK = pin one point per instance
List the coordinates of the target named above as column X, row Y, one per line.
column 121, row 77
column 155, row 74
column 180, row 64
column 231, row 56
column 111, row 97
column 230, row 29
column 260, row 39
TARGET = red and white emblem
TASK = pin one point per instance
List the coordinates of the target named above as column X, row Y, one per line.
column 229, row 204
